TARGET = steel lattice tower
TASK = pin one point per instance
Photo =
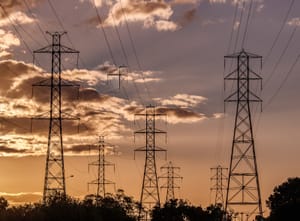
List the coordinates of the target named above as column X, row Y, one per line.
column 150, row 191
column 171, row 176
column 101, row 165
column 55, row 171
column 218, row 185
column 243, row 190
column 121, row 71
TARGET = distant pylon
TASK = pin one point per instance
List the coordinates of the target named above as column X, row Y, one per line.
column 121, row 71
column 218, row 185
column 150, row 191
column 243, row 191
column 171, row 176
column 55, row 170
column 101, row 165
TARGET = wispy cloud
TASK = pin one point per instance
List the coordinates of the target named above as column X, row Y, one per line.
column 152, row 14
column 294, row 22
column 7, row 40
column 22, row 197
column 181, row 115
column 182, row 100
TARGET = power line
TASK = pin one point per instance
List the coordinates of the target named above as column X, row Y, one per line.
column 279, row 32
column 283, row 82
column 37, row 24
column 281, row 55
column 247, row 23
column 110, row 49
column 120, row 40
column 16, row 30
column 240, row 23
column 104, row 33
column 232, row 29
column 63, row 28
column 134, row 48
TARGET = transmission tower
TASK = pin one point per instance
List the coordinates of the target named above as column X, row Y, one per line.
column 150, row 190
column 243, row 191
column 55, row 171
column 101, row 165
column 171, row 176
column 218, row 185
column 121, row 71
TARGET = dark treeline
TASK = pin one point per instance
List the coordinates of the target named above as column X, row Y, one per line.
column 284, row 204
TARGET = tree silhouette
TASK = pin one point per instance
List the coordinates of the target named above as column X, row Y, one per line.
column 60, row 207
column 179, row 210
column 284, row 202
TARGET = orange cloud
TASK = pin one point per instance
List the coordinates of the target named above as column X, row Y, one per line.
column 22, row 197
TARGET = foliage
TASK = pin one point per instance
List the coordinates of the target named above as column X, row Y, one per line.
column 284, row 202
column 64, row 208
column 179, row 210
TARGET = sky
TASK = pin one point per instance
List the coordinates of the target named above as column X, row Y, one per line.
column 174, row 52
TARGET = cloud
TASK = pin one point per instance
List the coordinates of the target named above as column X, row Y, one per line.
column 217, row 1
column 152, row 14
column 163, row 25
column 16, row 18
column 214, row 21
column 14, row 74
column 99, row 112
column 184, row 2
column 7, row 40
column 236, row 25
column 22, row 197
column 143, row 76
column 294, row 22
column 182, row 100
column 98, row 3
column 259, row 4
column 81, row 148
column 4, row 149
column 181, row 115
column 17, row 4
column 174, row 113
column 89, row 149
column 15, row 11
column 188, row 17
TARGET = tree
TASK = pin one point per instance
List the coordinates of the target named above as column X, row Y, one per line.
column 284, row 202
column 3, row 204
column 177, row 210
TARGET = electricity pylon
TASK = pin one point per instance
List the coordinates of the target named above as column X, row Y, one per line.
column 55, row 170
column 218, row 185
column 171, row 177
column 150, row 191
column 101, row 165
column 243, row 191
column 121, row 71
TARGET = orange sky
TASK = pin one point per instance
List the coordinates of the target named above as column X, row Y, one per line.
column 174, row 50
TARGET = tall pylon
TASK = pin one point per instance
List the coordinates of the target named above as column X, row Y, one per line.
column 55, row 169
column 243, row 190
column 218, row 179
column 101, row 163
column 171, row 177
column 150, row 191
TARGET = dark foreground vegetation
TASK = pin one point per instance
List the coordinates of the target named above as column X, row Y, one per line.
column 284, row 205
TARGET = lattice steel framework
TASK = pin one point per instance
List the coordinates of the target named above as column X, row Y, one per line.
column 55, row 171
column 218, row 183
column 171, row 177
column 101, row 163
column 243, row 191
column 119, row 73
column 150, row 191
